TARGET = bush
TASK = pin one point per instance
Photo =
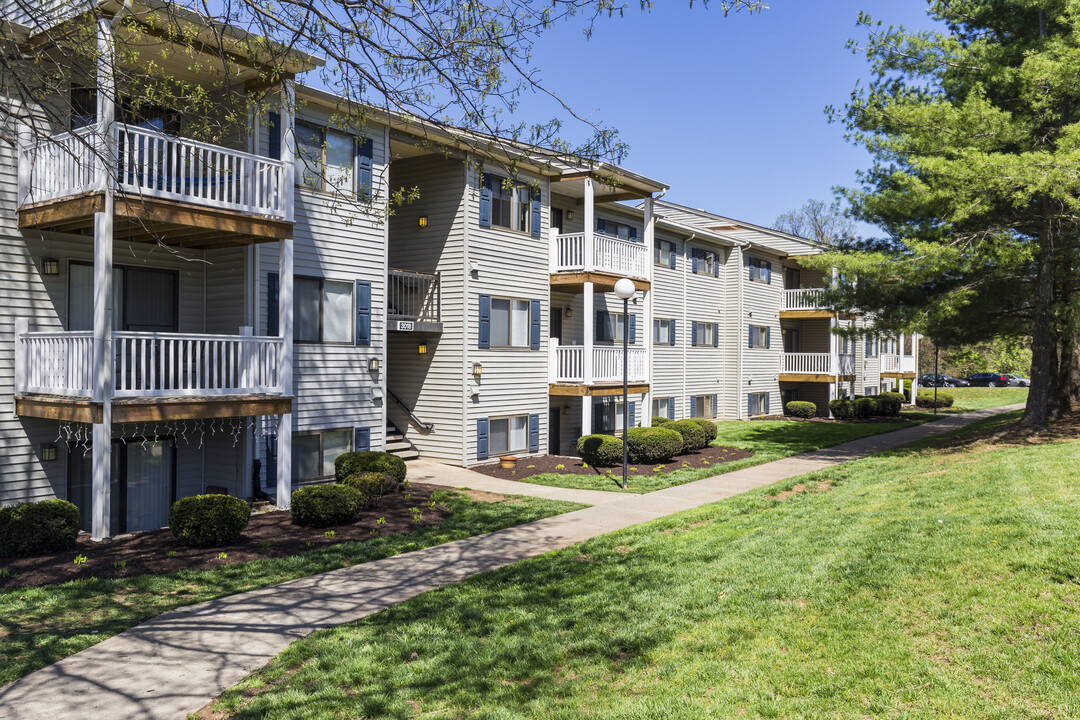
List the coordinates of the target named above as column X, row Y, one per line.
column 693, row 434
column 842, row 408
column 363, row 461
column 866, row 407
column 208, row 520
column 926, row 400
column 31, row 528
column 801, row 409
column 600, row 450
column 657, row 420
column 323, row 505
column 653, row 445
column 371, row 486
column 889, row 403
column 711, row 431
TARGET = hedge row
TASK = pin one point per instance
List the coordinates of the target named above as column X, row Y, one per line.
column 648, row 446
column 883, row 405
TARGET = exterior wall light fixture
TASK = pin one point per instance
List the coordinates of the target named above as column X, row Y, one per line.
column 50, row 266
column 422, row 222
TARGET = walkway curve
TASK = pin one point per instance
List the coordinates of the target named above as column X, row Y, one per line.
column 178, row 662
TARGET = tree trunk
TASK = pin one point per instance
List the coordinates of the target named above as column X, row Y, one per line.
column 1043, row 348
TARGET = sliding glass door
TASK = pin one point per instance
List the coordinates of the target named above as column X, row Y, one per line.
column 143, row 484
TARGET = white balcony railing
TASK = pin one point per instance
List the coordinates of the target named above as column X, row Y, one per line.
column 150, row 364
column 155, row 165
column 806, row 299
column 890, row 363
column 594, row 252
column 568, row 364
column 806, row 363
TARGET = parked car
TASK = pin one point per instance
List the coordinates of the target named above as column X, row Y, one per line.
column 989, row 380
column 1017, row 381
column 941, row 380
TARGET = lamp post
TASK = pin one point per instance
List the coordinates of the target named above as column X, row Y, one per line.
column 624, row 290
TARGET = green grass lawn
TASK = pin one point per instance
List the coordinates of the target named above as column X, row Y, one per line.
column 768, row 439
column 979, row 398
column 41, row 625
column 934, row 583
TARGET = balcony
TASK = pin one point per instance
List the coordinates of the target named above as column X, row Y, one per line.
column 815, row 367
column 170, row 189
column 156, row 376
column 413, row 302
column 598, row 258
column 898, row 366
column 567, row 367
column 805, row 303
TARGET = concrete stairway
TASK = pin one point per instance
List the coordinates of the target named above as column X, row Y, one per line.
column 398, row 444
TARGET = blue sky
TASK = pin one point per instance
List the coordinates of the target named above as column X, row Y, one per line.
column 728, row 111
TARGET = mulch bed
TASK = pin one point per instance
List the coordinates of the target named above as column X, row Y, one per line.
column 268, row 535
column 529, row 466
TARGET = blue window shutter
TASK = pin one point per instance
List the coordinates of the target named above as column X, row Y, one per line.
column 272, row 304
column 693, row 259
column 715, row 405
column 534, row 324
column 361, row 438
column 671, row 408
column 534, row 433
column 485, row 322
column 767, row 403
column 750, row 338
column 600, row 331
column 364, row 152
column 671, row 333
column 749, row 403
column 601, row 226
column 693, row 333
column 749, row 266
column 693, row 407
column 768, row 337
column 632, row 321
column 363, row 313
column 632, row 234
column 673, row 255
column 482, row 439
column 715, row 336
column 716, row 265
column 536, row 229
column 633, row 415
column 485, row 203
column 597, row 416
column 768, row 274
column 271, row 458
column 273, row 132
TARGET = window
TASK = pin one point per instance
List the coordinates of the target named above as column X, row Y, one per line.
column 608, row 417
column 322, row 310
column 614, row 327
column 760, row 270
column 757, row 403
column 790, row 337
column 326, row 159
column 871, row 346
column 509, row 434
column 661, row 407
column 869, row 390
column 556, row 219
column 886, row 386
column 705, row 334
column 704, row 406
column 616, row 229
column 511, row 203
column 509, row 323
column 665, row 253
column 759, row 336
column 314, row 453
column 706, row 262
column 83, row 107
column 663, row 331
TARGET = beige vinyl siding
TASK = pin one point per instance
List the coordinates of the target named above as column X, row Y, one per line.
column 761, row 307
column 670, row 303
column 226, row 285
column 511, row 264
column 708, row 368
column 431, row 384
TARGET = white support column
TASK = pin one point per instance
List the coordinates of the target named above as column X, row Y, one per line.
column 25, row 164
column 586, row 415
column 285, row 298
column 22, row 326
column 101, row 483
column 647, row 334
column 589, row 332
column 590, row 226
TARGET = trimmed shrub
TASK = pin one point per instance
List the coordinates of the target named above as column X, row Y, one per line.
column 926, row 400
column 31, row 528
column 600, row 450
column 711, row 431
column 652, row 445
column 693, row 434
column 889, row 403
column 801, row 409
column 363, row 461
column 657, row 420
column 842, row 408
column 372, row 486
column 208, row 520
column 323, row 505
column 866, row 407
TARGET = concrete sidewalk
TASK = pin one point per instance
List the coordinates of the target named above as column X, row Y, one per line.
column 177, row 662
